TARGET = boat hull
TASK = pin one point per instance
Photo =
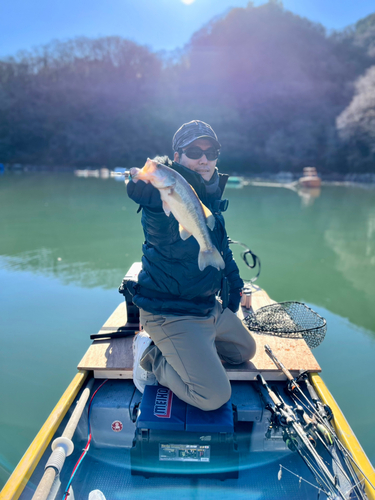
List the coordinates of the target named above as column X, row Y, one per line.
column 105, row 458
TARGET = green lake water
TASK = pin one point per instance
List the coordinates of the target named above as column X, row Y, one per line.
column 66, row 243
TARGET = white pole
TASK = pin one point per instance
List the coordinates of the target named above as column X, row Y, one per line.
column 62, row 447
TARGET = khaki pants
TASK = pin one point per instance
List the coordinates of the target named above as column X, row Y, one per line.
column 187, row 353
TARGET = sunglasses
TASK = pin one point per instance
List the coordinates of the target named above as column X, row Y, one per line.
column 196, row 153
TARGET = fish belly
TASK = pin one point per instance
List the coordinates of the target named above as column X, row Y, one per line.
column 190, row 216
column 187, row 209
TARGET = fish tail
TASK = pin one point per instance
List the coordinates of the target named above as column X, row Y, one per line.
column 210, row 257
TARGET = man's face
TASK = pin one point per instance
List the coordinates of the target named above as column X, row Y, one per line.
column 202, row 166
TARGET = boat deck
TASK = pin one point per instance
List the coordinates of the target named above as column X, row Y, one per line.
column 113, row 358
column 107, row 467
column 109, row 472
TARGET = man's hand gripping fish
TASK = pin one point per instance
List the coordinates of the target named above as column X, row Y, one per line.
column 180, row 198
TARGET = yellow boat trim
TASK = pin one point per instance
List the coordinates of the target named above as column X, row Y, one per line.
column 345, row 434
column 22, row 473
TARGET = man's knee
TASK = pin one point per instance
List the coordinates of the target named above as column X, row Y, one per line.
column 249, row 349
column 214, row 399
column 237, row 353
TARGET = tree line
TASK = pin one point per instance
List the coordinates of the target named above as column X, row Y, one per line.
column 280, row 92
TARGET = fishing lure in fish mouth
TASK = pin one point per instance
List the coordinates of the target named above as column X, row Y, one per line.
column 180, row 199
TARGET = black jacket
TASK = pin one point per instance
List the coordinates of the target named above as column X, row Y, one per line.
column 170, row 281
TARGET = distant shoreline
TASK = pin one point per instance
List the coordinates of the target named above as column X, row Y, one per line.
column 282, row 179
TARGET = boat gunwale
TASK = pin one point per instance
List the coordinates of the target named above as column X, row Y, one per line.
column 345, row 434
column 22, row 473
column 26, row 466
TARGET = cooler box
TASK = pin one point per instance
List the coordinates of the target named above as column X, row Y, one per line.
column 173, row 437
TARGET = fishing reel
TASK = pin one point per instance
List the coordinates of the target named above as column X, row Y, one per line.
column 292, row 386
column 329, row 412
column 290, row 439
column 275, row 422
column 304, row 376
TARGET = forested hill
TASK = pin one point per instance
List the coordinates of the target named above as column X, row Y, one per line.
column 280, row 92
column 362, row 34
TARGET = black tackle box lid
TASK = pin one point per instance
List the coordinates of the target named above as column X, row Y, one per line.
column 160, row 409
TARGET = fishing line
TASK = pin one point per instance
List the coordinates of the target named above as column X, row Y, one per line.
column 337, row 441
column 353, row 479
column 302, row 479
column 336, row 460
column 296, row 432
column 363, row 495
column 254, row 257
column 332, row 488
column 319, row 474
column 318, row 477
column 324, row 421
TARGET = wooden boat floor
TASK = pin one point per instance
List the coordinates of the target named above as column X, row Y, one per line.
column 113, row 358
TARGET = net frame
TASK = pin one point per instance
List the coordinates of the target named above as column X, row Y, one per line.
column 289, row 320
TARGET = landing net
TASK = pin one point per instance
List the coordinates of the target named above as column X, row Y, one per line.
column 290, row 320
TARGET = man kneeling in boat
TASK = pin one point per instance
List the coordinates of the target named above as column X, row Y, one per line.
column 187, row 333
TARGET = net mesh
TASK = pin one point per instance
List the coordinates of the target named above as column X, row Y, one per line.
column 290, row 320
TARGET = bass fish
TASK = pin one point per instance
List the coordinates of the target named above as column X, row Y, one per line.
column 180, row 199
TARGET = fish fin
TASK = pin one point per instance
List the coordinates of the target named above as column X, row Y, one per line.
column 184, row 234
column 166, row 208
column 210, row 219
column 210, row 258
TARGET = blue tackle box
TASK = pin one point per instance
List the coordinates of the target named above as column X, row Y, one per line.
column 175, row 438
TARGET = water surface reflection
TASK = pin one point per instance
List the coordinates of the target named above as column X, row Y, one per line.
column 86, row 231
column 66, row 242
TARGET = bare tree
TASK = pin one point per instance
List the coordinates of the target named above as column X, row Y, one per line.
column 356, row 124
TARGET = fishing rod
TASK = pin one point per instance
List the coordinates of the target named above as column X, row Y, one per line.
column 321, row 412
column 316, row 431
column 287, row 419
column 329, row 447
column 311, row 436
column 293, row 386
column 324, row 413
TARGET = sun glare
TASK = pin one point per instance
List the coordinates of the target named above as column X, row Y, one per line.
column 187, row 2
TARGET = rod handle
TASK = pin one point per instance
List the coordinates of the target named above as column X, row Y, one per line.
column 271, row 394
column 305, row 377
column 278, row 363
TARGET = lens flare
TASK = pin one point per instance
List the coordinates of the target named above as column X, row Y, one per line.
column 187, row 2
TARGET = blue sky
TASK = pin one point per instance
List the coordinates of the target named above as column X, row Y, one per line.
column 160, row 24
